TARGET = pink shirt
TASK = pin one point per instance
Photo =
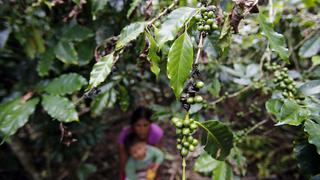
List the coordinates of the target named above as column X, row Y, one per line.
column 155, row 134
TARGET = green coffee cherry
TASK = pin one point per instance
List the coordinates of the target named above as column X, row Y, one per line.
column 179, row 124
column 214, row 26
column 179, row 146
column 184, row 152
column 178, row 131
column 186, row 122
column 207, row 27
column 200, row 28
column 203, row 9
column 185, row 131
column 190, row 100
column 190, row 139
column 199, row 84
column 198, row 99
column 210, row 21
column 210, row 14
column 174, row 120
column 191, row 148
column 198, row 17
column 195, row 142
column 193, row 126
column 186, row 144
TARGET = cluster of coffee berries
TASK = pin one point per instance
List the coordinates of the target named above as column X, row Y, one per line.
column 206, row 19
column 184, row 130
column 188, row 96
column 282, row 80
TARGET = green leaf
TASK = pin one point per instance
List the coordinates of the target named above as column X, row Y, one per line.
column 225, row 35
column 60, row 108
column 101, row 70
column 313, row 129
column 153, row 56
column 66, row 84
column 276, row 40
column 315, row 60
column 133, row 6
column 287, row 111
column 77, row 33
column 85, row 50
column 105, row 99
column 124, row 98
column 130, row 33
column 311, row 47
column 15, row 114
column 96, row 6
column 218, row 140
column 180, row 60
column 215, row 88
column 307, row 157
column 173, row 23
column 85, row 170
column 66, row 52
column 223, row 172
column 205, row 163
column 45, row 63
column 310, row 87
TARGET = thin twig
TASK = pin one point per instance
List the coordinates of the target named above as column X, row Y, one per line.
column 256, row 126
column 164, row 12
column 230, row 96
column 200, row 47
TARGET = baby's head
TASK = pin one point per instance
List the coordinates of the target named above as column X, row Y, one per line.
column 135, row 147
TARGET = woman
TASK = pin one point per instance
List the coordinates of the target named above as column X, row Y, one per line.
column 144, row 129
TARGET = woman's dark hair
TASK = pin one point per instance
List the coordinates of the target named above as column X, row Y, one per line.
column 141, row 113
column 130, row 141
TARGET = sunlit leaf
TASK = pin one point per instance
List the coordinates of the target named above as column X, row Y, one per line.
column 311, row 47
column 60, row 108
column 66, row 84
column 287, row 111
column 180, row 60
column 66, row 52
column 310, row 87
column 205, row 163
column 276, row 40
column 101, row 70
column 153, row 56
column 105, row 99
column 130, row 33
column 222, row 172
column 15, row 114
column 173, row 23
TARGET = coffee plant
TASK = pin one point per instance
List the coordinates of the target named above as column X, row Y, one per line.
column 238, row 80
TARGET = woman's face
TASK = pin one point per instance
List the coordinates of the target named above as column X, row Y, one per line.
column 141, row 128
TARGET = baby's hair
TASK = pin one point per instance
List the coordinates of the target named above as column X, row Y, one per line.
column 131, row 140
column 141, row 113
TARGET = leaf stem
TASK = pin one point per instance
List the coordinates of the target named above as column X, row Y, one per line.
column 184, row 168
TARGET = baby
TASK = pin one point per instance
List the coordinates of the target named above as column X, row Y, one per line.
column 144, row 160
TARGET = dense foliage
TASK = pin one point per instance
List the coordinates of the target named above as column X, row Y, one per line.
column 244, row 73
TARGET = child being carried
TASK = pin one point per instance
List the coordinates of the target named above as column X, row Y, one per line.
column 144, row 160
